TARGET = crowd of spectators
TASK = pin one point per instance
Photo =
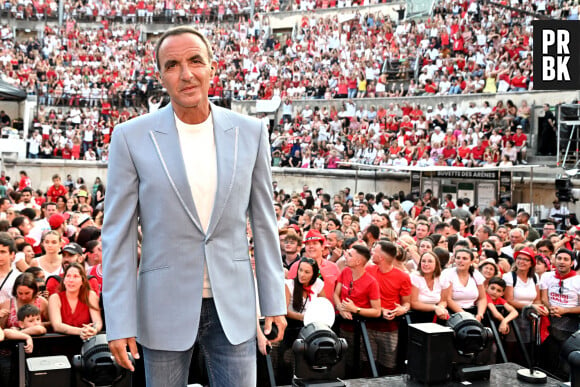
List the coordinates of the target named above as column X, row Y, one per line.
column 380, row 256
column 439, row 243
column 404, row 135
column 108, row 74
column 167, row 11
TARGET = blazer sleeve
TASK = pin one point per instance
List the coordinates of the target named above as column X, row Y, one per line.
column 119, row 239
column 269, row 270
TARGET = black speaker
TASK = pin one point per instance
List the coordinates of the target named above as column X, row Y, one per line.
column 430, row 353
column 48, row 371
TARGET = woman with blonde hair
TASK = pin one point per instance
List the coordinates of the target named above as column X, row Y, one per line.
column 427, row 295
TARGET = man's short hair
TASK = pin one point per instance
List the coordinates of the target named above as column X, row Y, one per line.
column 362, row 250
column 180, row 31
column 8, row 243
column 439, row 227
column 374, row 230
column 454, row 223
column 27, row 189
column 338, row 233
column 291, row 234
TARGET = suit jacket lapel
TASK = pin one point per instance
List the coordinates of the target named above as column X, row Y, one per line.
column 166, row 142
column 226, row 141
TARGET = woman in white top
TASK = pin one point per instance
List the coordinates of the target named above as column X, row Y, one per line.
column 51, row 261
column 465, row 285
column 426, row 292
column 522, row 289
column 301, row 290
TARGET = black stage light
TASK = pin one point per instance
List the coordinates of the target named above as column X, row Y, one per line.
column 320, row 355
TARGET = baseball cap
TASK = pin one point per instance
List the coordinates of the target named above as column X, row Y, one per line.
column 73, row 248
column 314, row 235
column 56, row 220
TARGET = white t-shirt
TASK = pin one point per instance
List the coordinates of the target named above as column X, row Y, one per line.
column 464, row 296
column 524, row 291
column 316, row 288
column 6, row 291
column 569, row 294
column 427, row 295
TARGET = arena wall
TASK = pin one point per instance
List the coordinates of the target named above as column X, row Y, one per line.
column 291, row 180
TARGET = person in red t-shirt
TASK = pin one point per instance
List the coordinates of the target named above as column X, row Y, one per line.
column 520, row 141
column 449, row 153
column 356, row 293
column 495, row 291
column 395, row 290
column 56, row 189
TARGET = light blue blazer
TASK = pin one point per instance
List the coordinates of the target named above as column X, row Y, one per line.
column 159, row 301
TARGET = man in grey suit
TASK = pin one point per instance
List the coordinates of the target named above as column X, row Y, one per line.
column 189, row 175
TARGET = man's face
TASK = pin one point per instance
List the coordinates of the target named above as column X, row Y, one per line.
column 26, row 197
column 481, row 234
column 563, row 263
column 332, row 240
column 96, row 256
column 185, row 71
column 548, row 229
column 363, row 209
column 290, row 246
column 516, row 237
column 6, row 256
column 68, row 258
column 56, row 181
column 422, row 231
column 50, row 210
column 314, row 249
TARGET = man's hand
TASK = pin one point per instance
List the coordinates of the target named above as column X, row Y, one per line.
column 557, row 311
column 280, row 322
column 119, row 350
